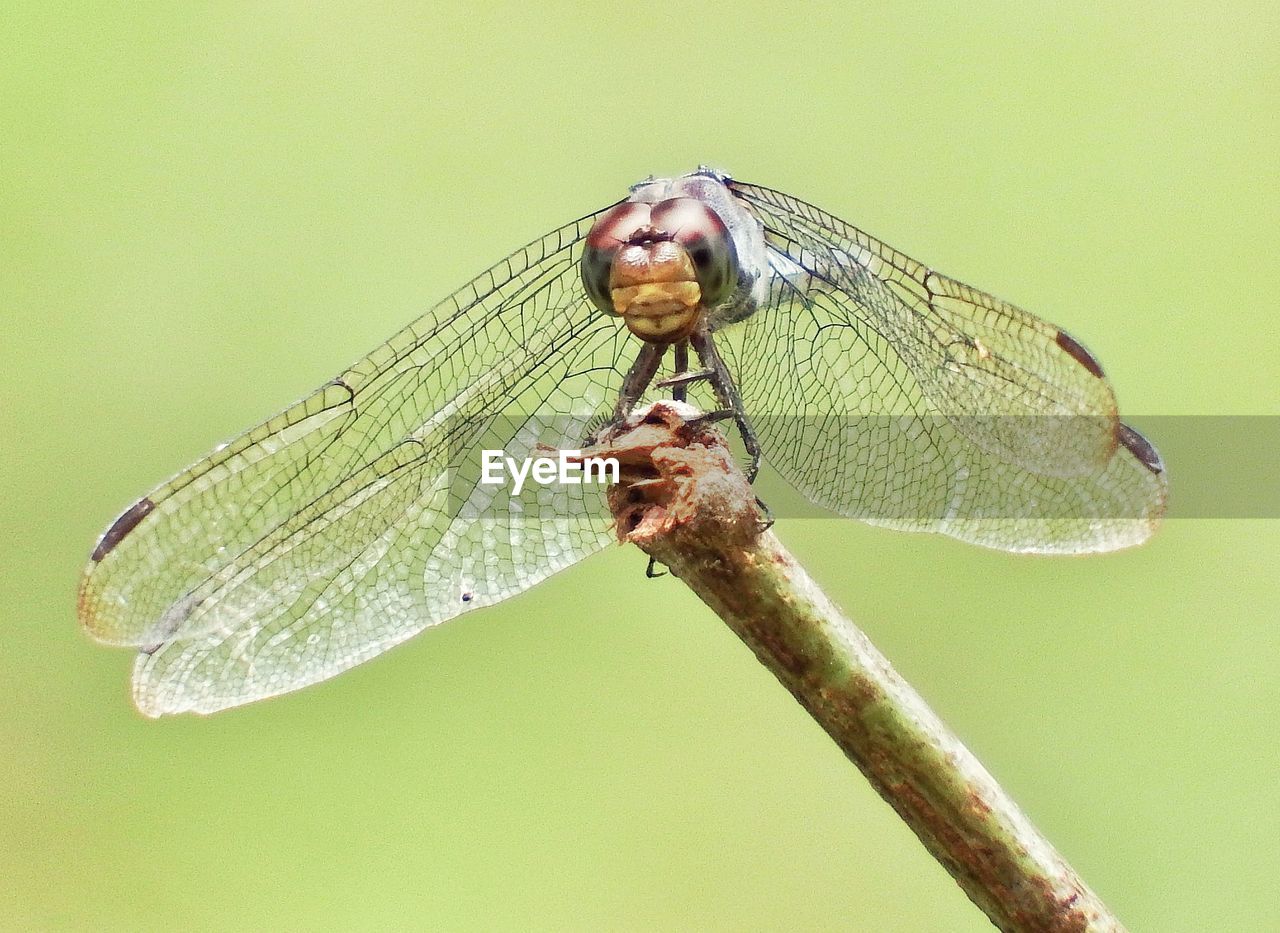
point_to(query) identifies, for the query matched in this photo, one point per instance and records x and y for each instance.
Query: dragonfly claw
(720, 414)
(680, 379)
(766, 515)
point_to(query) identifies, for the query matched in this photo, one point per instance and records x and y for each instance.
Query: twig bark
(684, 501)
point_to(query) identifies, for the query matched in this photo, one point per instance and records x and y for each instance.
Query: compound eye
(611, 231)
(702, 233)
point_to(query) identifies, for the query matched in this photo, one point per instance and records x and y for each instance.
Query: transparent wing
(890, 393)
(355, 518)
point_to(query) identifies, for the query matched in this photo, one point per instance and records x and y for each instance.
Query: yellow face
(655, 289)
(659, 266)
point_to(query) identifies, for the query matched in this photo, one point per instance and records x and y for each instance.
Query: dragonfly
(878, 387)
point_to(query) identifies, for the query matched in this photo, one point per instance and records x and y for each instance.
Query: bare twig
(684, 501)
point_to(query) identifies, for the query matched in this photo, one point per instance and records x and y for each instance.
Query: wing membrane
(355, 518)
(973, 355)
(890, 393)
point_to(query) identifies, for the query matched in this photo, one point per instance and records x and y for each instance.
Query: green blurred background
(209, 208)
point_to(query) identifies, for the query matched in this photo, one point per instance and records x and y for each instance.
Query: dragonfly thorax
(659, 267)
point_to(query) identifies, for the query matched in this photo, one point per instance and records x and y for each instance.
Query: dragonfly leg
(680, 391)
(683, 379)
(720, 414)
(638, 378)
(680, 379)
(727, 395)
(651, 573)
(766, 514)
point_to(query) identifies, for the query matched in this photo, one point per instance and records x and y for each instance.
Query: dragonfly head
(659, 266)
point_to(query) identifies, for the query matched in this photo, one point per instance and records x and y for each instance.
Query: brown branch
(684, 501)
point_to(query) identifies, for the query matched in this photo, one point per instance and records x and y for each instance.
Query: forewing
(354, 519)
(892, 394)
(971, 354)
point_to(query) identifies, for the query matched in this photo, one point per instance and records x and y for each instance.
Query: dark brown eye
(611, 231)
(702, 233)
